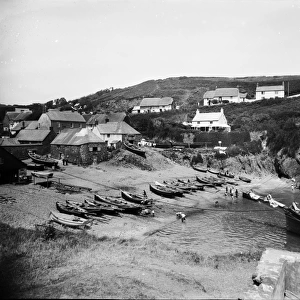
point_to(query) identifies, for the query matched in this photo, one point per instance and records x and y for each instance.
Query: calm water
(237, 230)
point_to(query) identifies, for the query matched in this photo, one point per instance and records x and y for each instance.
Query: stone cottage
(80, 145)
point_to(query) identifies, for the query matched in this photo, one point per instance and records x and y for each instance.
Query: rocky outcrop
(287, 167)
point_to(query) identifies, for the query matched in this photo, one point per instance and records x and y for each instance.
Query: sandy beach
(28, 205)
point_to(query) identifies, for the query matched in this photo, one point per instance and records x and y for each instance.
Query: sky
(73, 48)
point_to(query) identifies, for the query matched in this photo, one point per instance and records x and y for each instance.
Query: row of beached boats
(81, 214)
(220, 173)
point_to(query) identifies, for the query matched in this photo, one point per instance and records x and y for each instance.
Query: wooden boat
(200, 169)
(39, 159)
(177, 186)
(45, 175)
(205, 181)
(135, 198)
(194, 184)
(134, 149)
(164, 191)
(36, 167)
(178, 190)
(292, 218)
(245, 179)
(89, 208)
(71, 210)
(126, 207)
(252, 196)
(69, 220)
(226, 174)
(105, 208)
(213, 171)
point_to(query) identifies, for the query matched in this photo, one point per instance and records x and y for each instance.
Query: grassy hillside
(186, 91)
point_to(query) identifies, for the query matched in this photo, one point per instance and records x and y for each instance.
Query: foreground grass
(73, 264)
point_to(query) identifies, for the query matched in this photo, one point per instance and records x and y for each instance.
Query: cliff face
(260, 164)
(286, 166)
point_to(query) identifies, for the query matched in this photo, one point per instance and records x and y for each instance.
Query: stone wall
(81, 155)
(277, 274)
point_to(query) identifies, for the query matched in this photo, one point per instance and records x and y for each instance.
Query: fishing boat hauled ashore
(39, 159)
(134, 149)
(292, 216)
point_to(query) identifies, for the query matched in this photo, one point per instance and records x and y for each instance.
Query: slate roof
(116, 128)
(101, 118)
(33, 125)
(22, 116)
(209, 95)
(19, 126)
(156, 101)
(76, 137)
(270, 88)
(56, 115)
(226, 92)
(12, 115)
(214, 116)
(9, 142)
(87, 116)
(9, 161)
(30, 135)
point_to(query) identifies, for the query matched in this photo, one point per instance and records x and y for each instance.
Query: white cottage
(154, 105)
(267, 92)
(210, 121)
(223, 95)
(112, 132)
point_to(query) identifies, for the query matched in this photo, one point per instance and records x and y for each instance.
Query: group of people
(181, 215)
(231, 192)
(65, 160)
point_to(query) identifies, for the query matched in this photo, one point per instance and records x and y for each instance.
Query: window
(58, 124)
(276, 92)
(210, 122)
(93, 149)
(72, 125)
(262, 93)
(108, 135)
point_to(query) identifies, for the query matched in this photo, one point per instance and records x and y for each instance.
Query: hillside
(186, 91)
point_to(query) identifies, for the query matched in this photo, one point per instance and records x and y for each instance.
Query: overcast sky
(69, 48)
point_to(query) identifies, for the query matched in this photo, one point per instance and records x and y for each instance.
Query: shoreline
(129, 259)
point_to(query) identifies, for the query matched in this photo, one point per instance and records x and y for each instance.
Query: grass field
(73, 264)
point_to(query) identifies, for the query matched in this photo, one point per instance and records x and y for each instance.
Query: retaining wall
(277, 276)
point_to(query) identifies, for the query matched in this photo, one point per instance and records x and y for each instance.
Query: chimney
(23, 125)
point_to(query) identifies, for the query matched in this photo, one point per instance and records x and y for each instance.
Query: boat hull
(245, 179)
(292, 222)
(135, 150)
(44, 161)
(162, 192)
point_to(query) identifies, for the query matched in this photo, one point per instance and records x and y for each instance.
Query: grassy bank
(74, 264)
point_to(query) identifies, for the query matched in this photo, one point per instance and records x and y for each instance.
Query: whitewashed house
(112, 132)
(223, 95)
(210, 121)
(267, 92)
(154, 105)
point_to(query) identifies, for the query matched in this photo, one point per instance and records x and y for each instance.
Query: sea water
(243, 226)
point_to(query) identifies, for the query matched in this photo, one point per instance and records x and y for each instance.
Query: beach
(130, 252)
